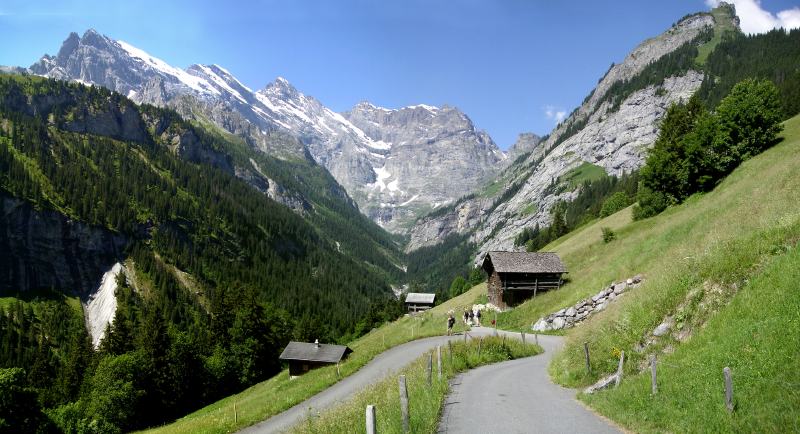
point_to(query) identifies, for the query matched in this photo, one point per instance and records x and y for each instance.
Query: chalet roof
(313, 353)
(525, 262)
(419, 297)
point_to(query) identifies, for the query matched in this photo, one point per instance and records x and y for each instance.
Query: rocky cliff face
(47, 250)
(427, 156)
(615, 140)
(396, 164)
(526, 142)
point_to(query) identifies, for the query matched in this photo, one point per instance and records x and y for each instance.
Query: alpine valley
(165, 232)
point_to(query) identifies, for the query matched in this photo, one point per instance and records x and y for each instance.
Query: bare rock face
(526, 142)
(428, 156)
(615, 139)
(47, 250)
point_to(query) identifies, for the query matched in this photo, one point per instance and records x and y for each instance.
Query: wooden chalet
(304, 356)
(514, 277)
(418, 301)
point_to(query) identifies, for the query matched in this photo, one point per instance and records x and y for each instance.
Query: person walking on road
(450, 323)
(478, 317)
(466, 316)
(471, 317)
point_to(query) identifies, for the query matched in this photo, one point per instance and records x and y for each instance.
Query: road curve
(383, 364)
(517, 397)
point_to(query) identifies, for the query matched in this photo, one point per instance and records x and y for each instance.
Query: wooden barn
(417, 301)
(517, 276)
(304, 356)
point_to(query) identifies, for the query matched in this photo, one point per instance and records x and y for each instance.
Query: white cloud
(755, 19)
(554, 114)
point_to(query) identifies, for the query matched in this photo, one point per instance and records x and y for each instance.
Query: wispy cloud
(755, 19)
(554, 114)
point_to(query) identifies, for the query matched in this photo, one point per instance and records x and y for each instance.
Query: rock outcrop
(614, 138)
(574, 315)
(47, 250)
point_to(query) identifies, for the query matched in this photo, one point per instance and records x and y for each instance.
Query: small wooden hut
(514, 277)
(304, 356)
(418, 301)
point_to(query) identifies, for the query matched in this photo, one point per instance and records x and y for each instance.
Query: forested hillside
(223, 276)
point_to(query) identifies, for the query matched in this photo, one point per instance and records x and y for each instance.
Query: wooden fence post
(465, 336)
(586, 352)
(439, 361)
(726, 371)
(450, 351)
(619, 368)
(430, 367)
(404, 402)
(235, 414)
(371, 419)
(495, 323)
(338, 373)
(523, 337)
(480, 343)
(654, 385)
(536, 338)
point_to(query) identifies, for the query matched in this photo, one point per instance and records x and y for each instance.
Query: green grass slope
(737, 243)
(279, 393)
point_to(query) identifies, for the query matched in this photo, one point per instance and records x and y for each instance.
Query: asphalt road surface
(517, 397)
(389, 361)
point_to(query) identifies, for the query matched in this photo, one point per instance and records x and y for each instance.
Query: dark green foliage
(588, 205)
(649, 203)
(773, 55)
(435, 267)
(19, 410)
(616, 202)
(696, 149)
(260, 272)
(608, 235)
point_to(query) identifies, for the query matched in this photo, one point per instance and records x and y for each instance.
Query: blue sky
(512, 66)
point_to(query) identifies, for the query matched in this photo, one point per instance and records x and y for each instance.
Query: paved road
(517, 397)
(385, 363)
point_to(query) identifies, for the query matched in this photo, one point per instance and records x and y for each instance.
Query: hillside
(721, 269)
(206, 277)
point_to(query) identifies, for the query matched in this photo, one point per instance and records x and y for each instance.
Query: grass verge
(425, 402)
(708, 265)
(277, 394)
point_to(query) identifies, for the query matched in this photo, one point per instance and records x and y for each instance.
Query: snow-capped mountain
(396, 164)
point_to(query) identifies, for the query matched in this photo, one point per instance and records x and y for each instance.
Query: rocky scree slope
(436, 154)
(614, 137)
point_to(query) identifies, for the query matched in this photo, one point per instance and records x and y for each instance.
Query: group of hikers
(471, 318)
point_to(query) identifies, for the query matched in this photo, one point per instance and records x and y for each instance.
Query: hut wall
(495, 290)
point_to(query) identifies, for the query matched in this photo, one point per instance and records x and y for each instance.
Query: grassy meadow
(277, 394)
(720, 266)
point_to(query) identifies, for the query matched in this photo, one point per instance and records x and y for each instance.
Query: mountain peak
(281, 88)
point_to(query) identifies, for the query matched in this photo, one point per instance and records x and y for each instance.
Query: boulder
(560, 312)
(619, 287)
(599, 307)
(612, 296)
(571, 312)
(540, 325)
(629, 282)
(603, 383)
(662, 329)
(637, 278)
(558, 323)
